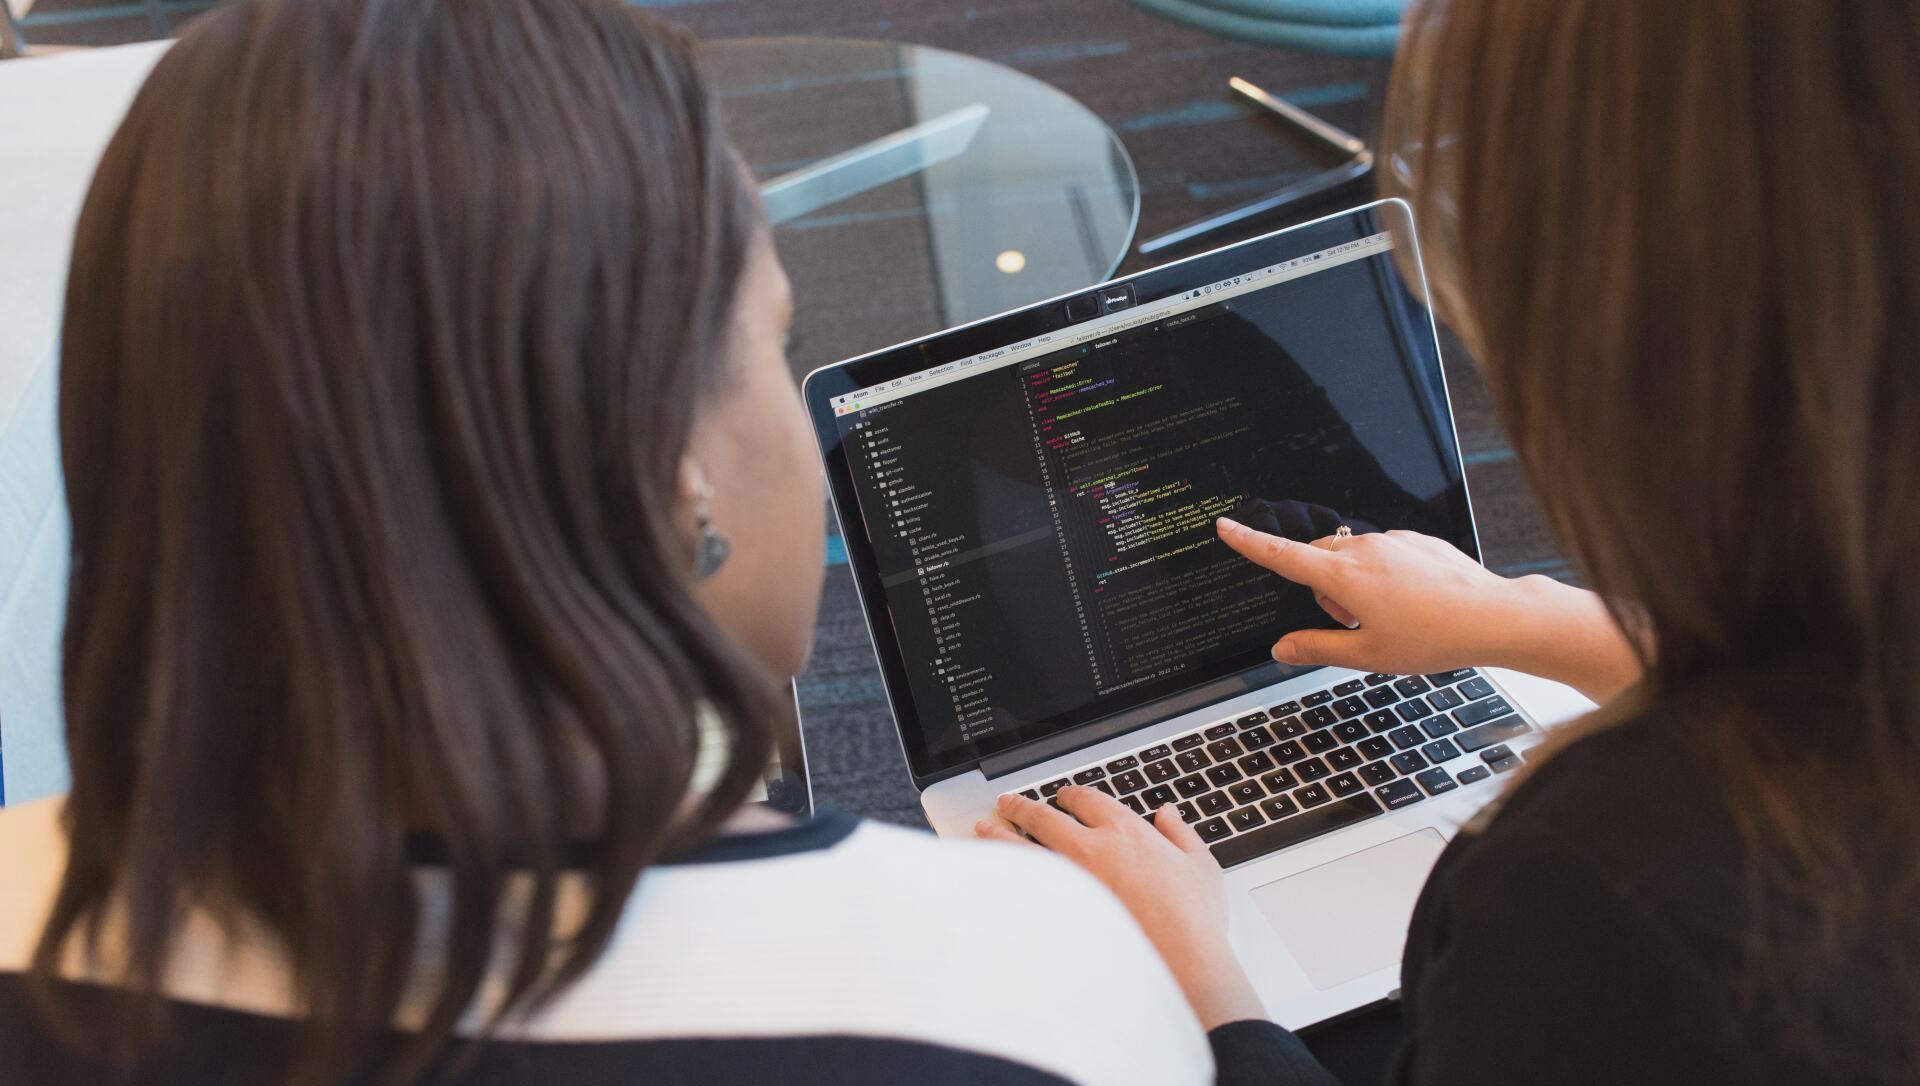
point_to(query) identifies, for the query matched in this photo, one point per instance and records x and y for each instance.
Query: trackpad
(1348, 917)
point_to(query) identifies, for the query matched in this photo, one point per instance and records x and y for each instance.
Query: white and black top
(833, 951)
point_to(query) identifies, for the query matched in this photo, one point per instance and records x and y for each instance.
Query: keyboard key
(1376, 774)
(1506, 765)
(1319, 717)
(1289, 751)
(1088, 776)
(1247, 818)
(1275, 836)
(1225, 750)
(1411, 711)
(1278, 807)
(1445, 699)
(1344, 785)
(1448, 678)
(1318, 697)
(1481, 711)
(1223, 775)
(1435, 781)
(1192, 785)
(1051, 787)
(1290, 727)
(1188, 813)
(1130, 781)
(1408, 762)
(1497, 731)
(1192, 761)
(1214, 803)
(1054, 802)
(1351, 686)
(1438, 726)
(1475, 773)
(1350, 707)
(1320, 742)
(1408, 737)
(1157, 797)
(1188, 742)
(1104, 787)
(1381, 696)
(1285, 708)
(1349, 731)
(1138, 807)
(1251, 792)
(1219, 731)
(1121, 765)
(1475, 688)
(1255, 738)
(1378, 746)
(1256, 763)
(1032, 795)
(1154, 754)
(1381, 722)
(1376, 679)
(1258, 716)
(1162, 772)
(1345, 758)
(1313, 795)
(1311, 770)
(1412, 686)
(1440, 750)
(1213, 829)
(1399, 794)
(1495, 753)
(1279, 780)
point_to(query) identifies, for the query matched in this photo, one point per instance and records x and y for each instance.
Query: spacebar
(1291, 831)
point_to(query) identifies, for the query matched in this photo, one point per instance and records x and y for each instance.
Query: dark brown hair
(1682, 241)
(385, 322)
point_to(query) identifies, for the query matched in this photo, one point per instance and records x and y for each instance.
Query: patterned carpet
(1162, 87)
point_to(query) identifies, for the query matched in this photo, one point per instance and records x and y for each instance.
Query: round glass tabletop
(913, 188)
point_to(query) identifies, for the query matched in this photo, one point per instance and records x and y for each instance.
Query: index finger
(1042, 822)
(1309, 565)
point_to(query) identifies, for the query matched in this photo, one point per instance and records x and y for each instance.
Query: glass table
(914, 188)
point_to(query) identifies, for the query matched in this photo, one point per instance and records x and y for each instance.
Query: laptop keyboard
(1275, 777)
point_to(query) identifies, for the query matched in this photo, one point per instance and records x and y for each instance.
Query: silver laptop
(1028, 502)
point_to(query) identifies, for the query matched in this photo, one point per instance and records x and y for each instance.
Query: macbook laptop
(1028, 507)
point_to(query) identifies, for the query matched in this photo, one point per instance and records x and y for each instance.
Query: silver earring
(714, 547)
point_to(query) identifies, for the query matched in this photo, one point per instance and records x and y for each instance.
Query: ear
(691, 480)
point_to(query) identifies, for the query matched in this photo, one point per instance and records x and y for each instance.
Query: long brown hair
(384, 325)
(1681, 239)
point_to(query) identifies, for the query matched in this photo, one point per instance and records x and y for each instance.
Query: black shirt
(1592, 929)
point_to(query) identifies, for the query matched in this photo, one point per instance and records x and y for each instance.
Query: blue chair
(1359, 28)
(1344, 27)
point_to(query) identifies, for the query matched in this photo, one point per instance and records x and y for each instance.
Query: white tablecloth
(56, 115)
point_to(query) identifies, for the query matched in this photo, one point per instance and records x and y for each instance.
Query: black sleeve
(1261, 1053)
(1536, 970)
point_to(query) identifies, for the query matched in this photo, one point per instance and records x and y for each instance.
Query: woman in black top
(1681, 240)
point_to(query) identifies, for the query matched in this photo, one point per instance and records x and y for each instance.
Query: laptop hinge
(1099, 731)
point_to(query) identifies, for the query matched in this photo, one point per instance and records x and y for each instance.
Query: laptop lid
(1027, 502)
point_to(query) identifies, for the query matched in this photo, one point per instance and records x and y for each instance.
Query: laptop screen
(1038, 517)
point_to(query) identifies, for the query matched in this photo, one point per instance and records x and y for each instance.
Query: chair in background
(1344, 27)
(16, 19)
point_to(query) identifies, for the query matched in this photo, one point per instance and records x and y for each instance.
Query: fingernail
(982, 828)
(1287, 652)
(1006, 802)
(1228, 524)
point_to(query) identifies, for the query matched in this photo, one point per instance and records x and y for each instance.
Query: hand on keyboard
(1164, 875)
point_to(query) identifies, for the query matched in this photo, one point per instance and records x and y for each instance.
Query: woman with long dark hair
(441, 500)
(1680, 237)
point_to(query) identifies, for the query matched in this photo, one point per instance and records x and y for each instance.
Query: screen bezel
(1150, 286)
